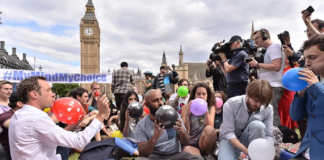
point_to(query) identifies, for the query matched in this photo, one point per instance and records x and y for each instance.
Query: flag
(34, 58)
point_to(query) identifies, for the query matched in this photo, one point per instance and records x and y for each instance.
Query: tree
(63, 88)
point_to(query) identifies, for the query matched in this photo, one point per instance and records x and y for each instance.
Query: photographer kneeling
(237, 72)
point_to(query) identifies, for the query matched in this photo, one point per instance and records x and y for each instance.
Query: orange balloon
(68, 110)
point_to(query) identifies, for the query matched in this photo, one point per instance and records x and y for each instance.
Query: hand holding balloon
(127, 115)
(102, 105)
(178, 127)
(157, 131)
(309, 76)
(187, 108)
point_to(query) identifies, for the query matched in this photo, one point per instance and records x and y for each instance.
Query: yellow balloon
(47, 109)
(117, 134)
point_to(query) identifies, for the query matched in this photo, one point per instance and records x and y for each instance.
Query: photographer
(219, 80)
(237, 72)
(271, 69)
(316, 24)
(164, 79)
(311, 27)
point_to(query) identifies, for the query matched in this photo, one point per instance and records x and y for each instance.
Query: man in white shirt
(271, 69)
(34, 135)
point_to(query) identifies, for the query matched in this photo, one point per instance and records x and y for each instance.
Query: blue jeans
(126, 145)
(253, 130)
(236, 89)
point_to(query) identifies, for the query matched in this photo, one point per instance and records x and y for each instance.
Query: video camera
(219, 49)
(251, 49)
(281, 37)
(248, 46)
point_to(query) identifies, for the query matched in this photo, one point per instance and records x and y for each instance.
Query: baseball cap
(14, 97)
(234, 38)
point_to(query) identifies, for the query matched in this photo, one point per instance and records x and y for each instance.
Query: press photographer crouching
(271, 69)
(237, 72)
(219, 80)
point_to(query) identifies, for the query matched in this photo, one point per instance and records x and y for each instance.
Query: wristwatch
(224, 60)
(257, 65)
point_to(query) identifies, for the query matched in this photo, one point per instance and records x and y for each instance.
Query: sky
(138, 32)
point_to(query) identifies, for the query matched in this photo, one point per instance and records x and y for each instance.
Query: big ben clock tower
(90, 43)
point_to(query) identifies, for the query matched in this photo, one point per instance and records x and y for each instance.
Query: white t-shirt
(173, 96)
(181, 103)
(273, 52)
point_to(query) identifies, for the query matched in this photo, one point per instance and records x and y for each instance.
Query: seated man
(309, 101)
(155, 142)
(14, 104)
(246, 118)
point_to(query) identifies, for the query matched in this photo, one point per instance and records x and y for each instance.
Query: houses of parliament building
(90, 57)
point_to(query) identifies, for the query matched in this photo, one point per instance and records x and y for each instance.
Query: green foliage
(62, 88)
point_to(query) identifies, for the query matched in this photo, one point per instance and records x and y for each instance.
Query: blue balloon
(290, 80)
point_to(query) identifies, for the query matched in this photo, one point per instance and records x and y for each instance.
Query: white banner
(55, 77)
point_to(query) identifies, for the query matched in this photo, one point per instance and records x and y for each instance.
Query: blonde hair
(94, 83)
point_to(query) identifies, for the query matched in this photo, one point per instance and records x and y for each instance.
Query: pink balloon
(219, 102)
(198, 107)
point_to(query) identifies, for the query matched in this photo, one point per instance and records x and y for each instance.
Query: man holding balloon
(246, 118)
(309, 101)
(158, 141)
(34, 135)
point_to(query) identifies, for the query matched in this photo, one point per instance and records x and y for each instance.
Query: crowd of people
(253, 107)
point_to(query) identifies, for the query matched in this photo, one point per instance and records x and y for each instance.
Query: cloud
(139, 31)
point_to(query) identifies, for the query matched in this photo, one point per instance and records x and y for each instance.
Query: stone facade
(194, 72)
(12, 61)
(90, 43)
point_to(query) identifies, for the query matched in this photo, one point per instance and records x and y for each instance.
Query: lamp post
(40, 68)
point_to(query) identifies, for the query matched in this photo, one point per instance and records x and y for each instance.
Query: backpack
(101, 150)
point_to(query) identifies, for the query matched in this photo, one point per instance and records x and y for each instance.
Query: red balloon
(146, 110)
(68, 110)
(97, 94)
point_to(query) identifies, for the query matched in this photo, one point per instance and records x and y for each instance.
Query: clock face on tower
(88, 31)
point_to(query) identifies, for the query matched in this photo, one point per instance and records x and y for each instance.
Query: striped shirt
(121, 81)
(161, 83)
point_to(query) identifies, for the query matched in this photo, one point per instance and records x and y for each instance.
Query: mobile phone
(310, 9)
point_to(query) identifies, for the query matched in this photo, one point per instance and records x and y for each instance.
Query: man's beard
(249, 106)
(152, 110)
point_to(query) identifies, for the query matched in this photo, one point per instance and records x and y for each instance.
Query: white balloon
(261, 149)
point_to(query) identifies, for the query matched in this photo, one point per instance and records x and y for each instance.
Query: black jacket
(219, 79)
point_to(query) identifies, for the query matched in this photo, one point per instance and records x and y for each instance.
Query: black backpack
(101, 150)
